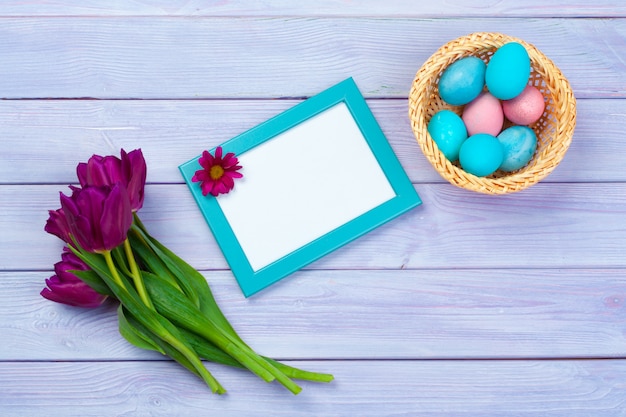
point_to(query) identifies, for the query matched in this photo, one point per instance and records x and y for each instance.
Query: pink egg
(526, 108)
(483, 115)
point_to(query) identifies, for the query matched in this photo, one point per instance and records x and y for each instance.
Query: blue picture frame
(402, 198)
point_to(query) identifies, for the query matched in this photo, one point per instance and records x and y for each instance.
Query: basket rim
(422, 90)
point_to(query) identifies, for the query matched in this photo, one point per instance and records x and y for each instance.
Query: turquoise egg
(481, 154)
(462, 81)
(448, 131)
(520, 144)
(508, 71)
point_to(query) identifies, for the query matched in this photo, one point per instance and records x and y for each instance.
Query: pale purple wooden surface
(468, 305)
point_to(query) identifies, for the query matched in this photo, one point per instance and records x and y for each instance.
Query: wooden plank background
(167, 57)
(393, 8)
(469, 305)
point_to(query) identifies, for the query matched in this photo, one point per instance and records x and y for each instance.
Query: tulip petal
(78, 226)
(75, 294)
(135, 170)
(90, 203)
(116, 217)
(81, 173)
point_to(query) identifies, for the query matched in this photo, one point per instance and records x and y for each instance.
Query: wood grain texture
(63, 132)
(391, 8)
(426, 314)
(546, 226)
(376, 389)
(273, 58)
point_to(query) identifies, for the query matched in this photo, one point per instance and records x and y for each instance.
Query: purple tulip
(130, 170)
(98, 217)
(57, 225)
(67, 288)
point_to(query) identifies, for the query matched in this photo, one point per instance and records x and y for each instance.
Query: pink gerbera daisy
(218, 172)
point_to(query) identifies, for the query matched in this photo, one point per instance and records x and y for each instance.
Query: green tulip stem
(141, 289)
(116, 276)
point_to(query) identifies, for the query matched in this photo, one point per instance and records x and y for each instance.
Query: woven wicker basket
(554, 129)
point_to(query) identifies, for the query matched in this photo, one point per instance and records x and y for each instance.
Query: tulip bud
(67, 288)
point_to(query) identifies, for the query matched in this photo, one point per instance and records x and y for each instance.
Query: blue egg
(462, 81)
(481, 154)
(520, 144)
(448, 131)
(508, 71)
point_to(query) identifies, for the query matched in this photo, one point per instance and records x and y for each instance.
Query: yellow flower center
(216, 172)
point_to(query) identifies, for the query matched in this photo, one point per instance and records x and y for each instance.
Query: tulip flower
(67, 288)
(57, 225)
(130, 170)
(98, 217)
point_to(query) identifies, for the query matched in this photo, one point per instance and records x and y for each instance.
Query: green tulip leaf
(133, 335)
(94, 281)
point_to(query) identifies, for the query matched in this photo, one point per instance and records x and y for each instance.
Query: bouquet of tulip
(164, 304)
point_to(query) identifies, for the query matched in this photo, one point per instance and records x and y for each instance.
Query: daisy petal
(228, 182)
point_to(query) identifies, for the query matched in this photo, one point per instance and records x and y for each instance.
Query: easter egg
(448, 131)
(519, 144)
(508, 71)
(526, 108)
(481, 154)
(483, 115)
(462, 81)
